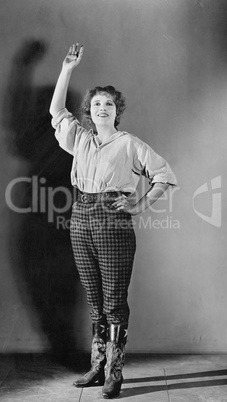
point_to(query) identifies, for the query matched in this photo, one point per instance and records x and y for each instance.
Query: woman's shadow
(166, 383)
(39, 246)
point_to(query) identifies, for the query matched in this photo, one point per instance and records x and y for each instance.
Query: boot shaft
(115, 350)
(117, 333)
(98, 347)
(99, 330)
(115, 355)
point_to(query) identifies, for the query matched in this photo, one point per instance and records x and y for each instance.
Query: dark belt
(87, 198)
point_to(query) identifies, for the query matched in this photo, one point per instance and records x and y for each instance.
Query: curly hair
(118, 99)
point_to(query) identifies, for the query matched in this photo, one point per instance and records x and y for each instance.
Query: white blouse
(115, 165)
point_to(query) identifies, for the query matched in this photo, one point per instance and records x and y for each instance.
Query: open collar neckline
(112, 137)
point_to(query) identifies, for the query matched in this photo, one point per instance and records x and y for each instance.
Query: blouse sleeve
(151, 165)
(68, 130)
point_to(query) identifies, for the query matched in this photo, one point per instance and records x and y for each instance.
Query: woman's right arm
(72, 60)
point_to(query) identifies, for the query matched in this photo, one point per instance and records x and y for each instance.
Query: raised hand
(73, 57)
(72, 60)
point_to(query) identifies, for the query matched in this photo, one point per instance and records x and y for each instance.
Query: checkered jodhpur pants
(104, 244)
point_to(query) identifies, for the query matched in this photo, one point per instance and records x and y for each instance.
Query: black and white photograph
(113, 233)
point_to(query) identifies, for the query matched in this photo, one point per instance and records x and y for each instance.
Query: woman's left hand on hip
(122, 204)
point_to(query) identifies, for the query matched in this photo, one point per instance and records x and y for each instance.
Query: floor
(163, 378)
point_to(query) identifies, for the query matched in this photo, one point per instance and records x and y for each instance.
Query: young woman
(107, 165)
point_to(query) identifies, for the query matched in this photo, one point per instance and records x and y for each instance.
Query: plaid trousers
(104, 244)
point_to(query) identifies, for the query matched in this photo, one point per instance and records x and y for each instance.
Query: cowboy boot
(98, 357)
(115, 355)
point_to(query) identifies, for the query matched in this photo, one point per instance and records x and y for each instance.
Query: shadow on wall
(40, 251)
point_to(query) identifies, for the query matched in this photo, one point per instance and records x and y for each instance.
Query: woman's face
(103, 110)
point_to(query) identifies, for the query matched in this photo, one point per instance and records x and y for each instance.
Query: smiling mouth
(103, 115)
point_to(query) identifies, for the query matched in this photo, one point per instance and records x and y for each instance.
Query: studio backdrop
(169, 58)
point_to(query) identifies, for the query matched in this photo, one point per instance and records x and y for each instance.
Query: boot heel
(112, 388)
(101, 380)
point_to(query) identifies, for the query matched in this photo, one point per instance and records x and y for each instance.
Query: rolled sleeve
(57, 119)
(164, 174)
(153, 166)
(68, 130)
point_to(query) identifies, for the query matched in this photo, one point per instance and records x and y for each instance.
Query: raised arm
(71, 61)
